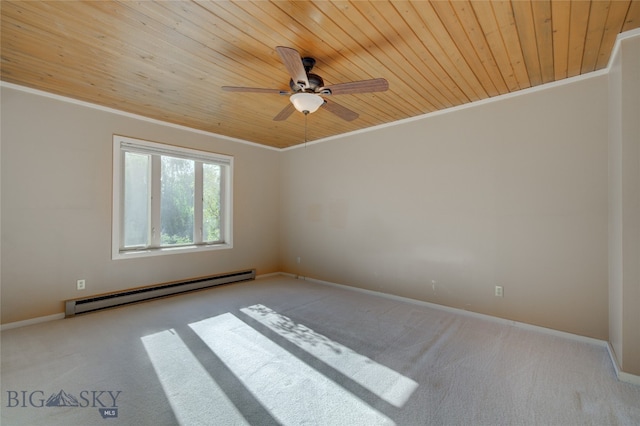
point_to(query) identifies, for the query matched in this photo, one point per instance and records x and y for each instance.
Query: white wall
(510, 193)
(624, 203)
(56, 205)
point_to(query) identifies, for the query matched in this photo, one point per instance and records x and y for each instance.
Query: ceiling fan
(306, 88)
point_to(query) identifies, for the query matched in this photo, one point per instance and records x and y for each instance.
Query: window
(168, 199)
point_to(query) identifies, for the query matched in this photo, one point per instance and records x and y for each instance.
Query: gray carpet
(291, 352)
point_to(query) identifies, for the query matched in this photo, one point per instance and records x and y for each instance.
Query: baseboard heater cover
(110, 300)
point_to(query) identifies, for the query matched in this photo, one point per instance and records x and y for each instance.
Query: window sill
(134, 254)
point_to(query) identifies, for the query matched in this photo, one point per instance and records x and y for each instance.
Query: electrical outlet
(499, 292)
(81, 284)
(298, 259)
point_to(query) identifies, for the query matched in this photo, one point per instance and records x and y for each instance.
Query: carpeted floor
(292, 352)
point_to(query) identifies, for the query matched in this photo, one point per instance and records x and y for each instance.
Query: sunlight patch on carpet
(292, 391)
(386, 383)
(193, 394)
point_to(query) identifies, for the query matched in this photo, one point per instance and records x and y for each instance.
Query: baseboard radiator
(95, 303)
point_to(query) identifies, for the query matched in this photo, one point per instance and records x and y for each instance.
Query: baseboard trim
(468, 313)
(621, 375)
(32, 321)
(272, 274)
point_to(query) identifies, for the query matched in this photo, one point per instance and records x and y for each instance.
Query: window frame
(122, 144)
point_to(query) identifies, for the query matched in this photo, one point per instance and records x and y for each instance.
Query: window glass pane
(211, 203)
(176, 201)
(136, 199)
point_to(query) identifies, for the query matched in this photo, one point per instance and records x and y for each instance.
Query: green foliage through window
(176, 198)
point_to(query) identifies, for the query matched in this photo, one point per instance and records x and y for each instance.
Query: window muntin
(169, 199)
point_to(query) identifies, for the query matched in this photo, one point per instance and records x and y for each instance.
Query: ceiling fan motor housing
(315, 83)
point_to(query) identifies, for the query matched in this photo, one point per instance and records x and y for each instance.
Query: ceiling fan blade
(363, 86)
(293, 62)
(285, 113)
(254, 90)
(341, 111)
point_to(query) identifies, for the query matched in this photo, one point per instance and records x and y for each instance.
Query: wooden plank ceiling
(167, 60)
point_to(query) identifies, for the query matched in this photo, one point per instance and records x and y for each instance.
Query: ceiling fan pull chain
(306, 114)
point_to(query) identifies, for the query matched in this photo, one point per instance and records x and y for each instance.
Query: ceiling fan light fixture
(306, 102)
